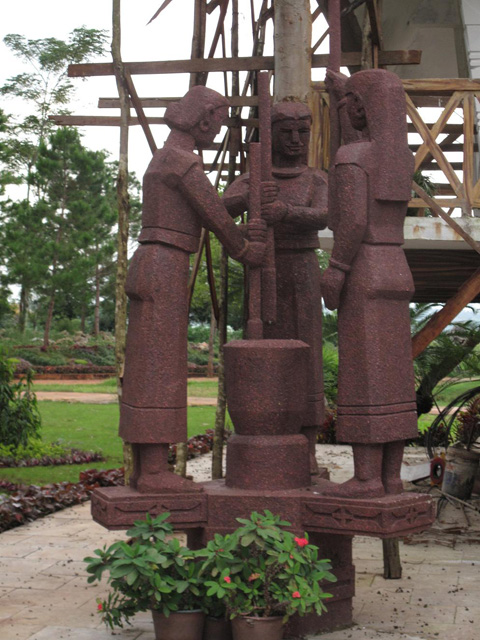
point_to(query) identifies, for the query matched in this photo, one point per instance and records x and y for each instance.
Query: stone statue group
(363, 199)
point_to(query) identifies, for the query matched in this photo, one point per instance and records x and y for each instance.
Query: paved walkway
(107, 398)
(44, 594)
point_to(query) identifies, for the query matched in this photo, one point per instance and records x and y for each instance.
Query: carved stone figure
(369, 281)
(178, 201)
(295, 203)
(266, 380)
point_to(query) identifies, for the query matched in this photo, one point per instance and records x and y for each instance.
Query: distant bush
(44, 358)
(19, 417)
(199, 333)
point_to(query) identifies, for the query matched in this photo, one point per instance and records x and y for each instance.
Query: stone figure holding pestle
(178, 200)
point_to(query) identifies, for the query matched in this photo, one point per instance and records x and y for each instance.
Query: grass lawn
(201, 388)
(88, 427)
(450, 393)
(424, 422)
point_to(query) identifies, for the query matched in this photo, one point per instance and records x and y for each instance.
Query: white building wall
(471, 20)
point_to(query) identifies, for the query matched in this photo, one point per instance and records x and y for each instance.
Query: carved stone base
(330, 522)
(386, 517)
(217, 508)
(119, 507)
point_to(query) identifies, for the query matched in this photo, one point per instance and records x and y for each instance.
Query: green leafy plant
(152, 571)
(467, 427)
(19, 417)
(264, 570)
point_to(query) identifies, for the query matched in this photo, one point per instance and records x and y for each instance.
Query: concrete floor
(44, 594)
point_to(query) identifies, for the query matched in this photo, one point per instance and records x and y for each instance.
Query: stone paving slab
(44, 594)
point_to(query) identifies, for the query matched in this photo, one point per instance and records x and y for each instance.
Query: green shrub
(19, 417)
(330, 372)
(199, 333)
(32, 449)
(101, 354)
(197, 357)
(42, 358)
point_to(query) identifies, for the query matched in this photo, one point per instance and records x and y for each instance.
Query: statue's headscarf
(383, 97)
(193, 107)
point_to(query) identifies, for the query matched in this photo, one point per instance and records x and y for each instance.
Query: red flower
(100, 606)
(302, 542)
(227, 579)
(296, 594)
(253, 577)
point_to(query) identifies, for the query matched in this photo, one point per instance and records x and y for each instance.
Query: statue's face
(290, 137)
(207, 129)
(356, 111)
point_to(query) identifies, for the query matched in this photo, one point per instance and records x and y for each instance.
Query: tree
(45, 88)
(61, 244)
(452, 354)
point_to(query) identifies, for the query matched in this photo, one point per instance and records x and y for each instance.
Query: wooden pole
(437, 323)
(269, 275)
(123, 206)
(220, 413)
(335, 56)
(254, 324)
(392, 566)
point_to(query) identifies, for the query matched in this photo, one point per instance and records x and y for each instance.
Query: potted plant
(152, 571)
(217, 622)
(264, 574)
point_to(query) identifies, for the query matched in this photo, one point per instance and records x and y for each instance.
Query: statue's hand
(255, 247)
(274, 212)
(257, 231)
(335, 84)
(332, 285)
(269, 192)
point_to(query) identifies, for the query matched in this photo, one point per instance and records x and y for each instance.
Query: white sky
(166, 38)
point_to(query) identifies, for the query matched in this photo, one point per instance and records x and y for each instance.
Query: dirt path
(106, 398)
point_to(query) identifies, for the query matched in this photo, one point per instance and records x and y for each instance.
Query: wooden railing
(459, 185)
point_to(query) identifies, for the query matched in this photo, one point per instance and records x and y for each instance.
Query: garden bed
(20, 504)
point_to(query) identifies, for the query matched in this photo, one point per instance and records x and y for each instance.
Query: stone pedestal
(268, 468)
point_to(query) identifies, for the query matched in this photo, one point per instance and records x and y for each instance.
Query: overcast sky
(169, 37)
(165, 38)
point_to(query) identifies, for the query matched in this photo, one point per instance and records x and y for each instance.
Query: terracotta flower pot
(246, 628)
(183, 625)
(217, 629)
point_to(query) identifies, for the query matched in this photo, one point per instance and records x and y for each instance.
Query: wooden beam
(433, 148)
(246, 101)
(97, 121)
(114, 121)
(159, 103)
(440, 202)
(432, 204)
(433, 166)
(469, 148)
(440, 87)
(437, 323)
(375, 23)
(453, 103)
(443, 146)
(140, 113)
(210, 65)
